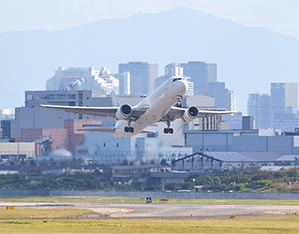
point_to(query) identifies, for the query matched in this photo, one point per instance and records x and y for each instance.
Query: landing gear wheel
(129, 129)
(168, 130)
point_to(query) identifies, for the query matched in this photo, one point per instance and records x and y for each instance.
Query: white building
(6, 113)
(84, 79)
(106, 149)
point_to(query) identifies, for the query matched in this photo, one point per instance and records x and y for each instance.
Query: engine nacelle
(190, 114)
(123, 112)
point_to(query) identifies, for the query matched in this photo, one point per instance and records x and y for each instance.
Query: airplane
(159, 106)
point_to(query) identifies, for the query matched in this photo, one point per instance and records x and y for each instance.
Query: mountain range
(248, 59)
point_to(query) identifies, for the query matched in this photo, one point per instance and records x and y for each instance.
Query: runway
(141, 210)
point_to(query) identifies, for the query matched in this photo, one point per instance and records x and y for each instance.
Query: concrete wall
(239, 142)
(209, 141)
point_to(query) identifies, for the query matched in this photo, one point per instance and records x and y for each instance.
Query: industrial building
(17, 151)
(204, 162)
(241, 141)
(68, 137)
(106, 149)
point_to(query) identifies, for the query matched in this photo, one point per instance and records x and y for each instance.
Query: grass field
(155, 200)
(43, 213)
(282, 224)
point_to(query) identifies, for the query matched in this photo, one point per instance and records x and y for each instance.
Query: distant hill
(248, 58)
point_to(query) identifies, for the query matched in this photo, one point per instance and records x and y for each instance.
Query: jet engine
(123, 112)
(190, 113)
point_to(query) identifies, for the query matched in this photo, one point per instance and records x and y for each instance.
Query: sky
(277, 15)
(25, 15)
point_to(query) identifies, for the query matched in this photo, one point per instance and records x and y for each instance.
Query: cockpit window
(175, 79)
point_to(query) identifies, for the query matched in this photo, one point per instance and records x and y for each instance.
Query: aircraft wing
(178, 112)
(95, 111)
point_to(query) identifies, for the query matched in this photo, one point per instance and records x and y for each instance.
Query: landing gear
(129, 129)
(168, 130)
(179, 103)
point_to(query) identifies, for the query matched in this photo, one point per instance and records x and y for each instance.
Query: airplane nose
(183, 86)
(186, 84)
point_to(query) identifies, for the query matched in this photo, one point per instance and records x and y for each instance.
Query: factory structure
(209, 143)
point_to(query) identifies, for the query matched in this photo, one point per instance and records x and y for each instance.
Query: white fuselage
(158, 103)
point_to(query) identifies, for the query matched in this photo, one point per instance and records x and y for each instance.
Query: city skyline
(118, 76)
(241, 53)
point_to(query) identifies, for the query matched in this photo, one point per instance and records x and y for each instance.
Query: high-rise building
(6, 131)
(259, 106)
(278, 111)
(224, 98)
(201, 74)
(174, 69)
(212, 72)
(124, 83)
(253, 108)
(285, 106)
(142, 76)
(247, 123)
(284, 97)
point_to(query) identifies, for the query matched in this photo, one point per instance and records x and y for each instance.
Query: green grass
(155, 200)
(43, 213)
(282, 224)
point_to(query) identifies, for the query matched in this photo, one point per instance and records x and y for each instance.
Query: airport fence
(143, 194)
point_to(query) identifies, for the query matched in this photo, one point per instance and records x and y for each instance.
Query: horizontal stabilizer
(112, 130)
(97, 129)
(147, 131)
